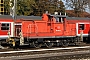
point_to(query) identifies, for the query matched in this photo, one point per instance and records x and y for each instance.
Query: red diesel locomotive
(48, 31)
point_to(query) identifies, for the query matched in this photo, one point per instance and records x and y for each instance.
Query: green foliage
(49, 5)
(24, 7)
(79, 6)
(36, 7)
(7, 6)
(61, 8)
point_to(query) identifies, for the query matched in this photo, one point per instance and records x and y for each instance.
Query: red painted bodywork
(5, 32)
(47, 27)
(86, 28)
(51, 28)
(43, 29)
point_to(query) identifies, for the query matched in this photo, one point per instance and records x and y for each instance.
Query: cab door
(17, 30)
(82, 28)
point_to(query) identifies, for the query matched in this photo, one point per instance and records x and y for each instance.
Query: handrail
(29, 29)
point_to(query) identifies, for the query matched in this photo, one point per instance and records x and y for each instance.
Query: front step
(24, 44)
(1, 47)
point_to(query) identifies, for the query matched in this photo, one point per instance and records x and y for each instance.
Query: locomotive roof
(21, 17)
(6, 17)
(40, 18)
(77, 18)
(72, 18)
(58, 15)
(30, 17)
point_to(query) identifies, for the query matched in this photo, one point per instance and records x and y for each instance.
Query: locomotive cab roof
(54, 18)
(63, 16)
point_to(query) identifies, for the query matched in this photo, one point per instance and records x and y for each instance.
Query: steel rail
(23, 51)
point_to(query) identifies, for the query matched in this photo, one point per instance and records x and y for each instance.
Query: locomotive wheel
(49, 44)
(77, 41)
(36, 44)
(65, 43)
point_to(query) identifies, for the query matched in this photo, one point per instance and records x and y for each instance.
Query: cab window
(81, 26)
(59, 19)
(5, 26)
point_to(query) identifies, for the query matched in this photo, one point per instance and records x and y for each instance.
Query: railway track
(42, 52)
(38, 50)
(36, 53)
(11, 51)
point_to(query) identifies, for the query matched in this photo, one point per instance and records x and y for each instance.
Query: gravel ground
(69, 57)
(81, 55)
(55, 57)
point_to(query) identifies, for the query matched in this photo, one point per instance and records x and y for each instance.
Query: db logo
(58, 27)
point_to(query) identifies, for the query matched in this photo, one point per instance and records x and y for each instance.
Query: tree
(61, 7)
(77, 5)
(49, 5)
(7, 7)
(25, 7)
(36, 7)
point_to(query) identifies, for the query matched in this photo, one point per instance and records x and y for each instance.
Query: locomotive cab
(54, 18)
(57, 24)
(58, 18)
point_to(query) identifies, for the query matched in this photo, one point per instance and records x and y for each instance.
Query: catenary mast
(14, 15)
(13, 12)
